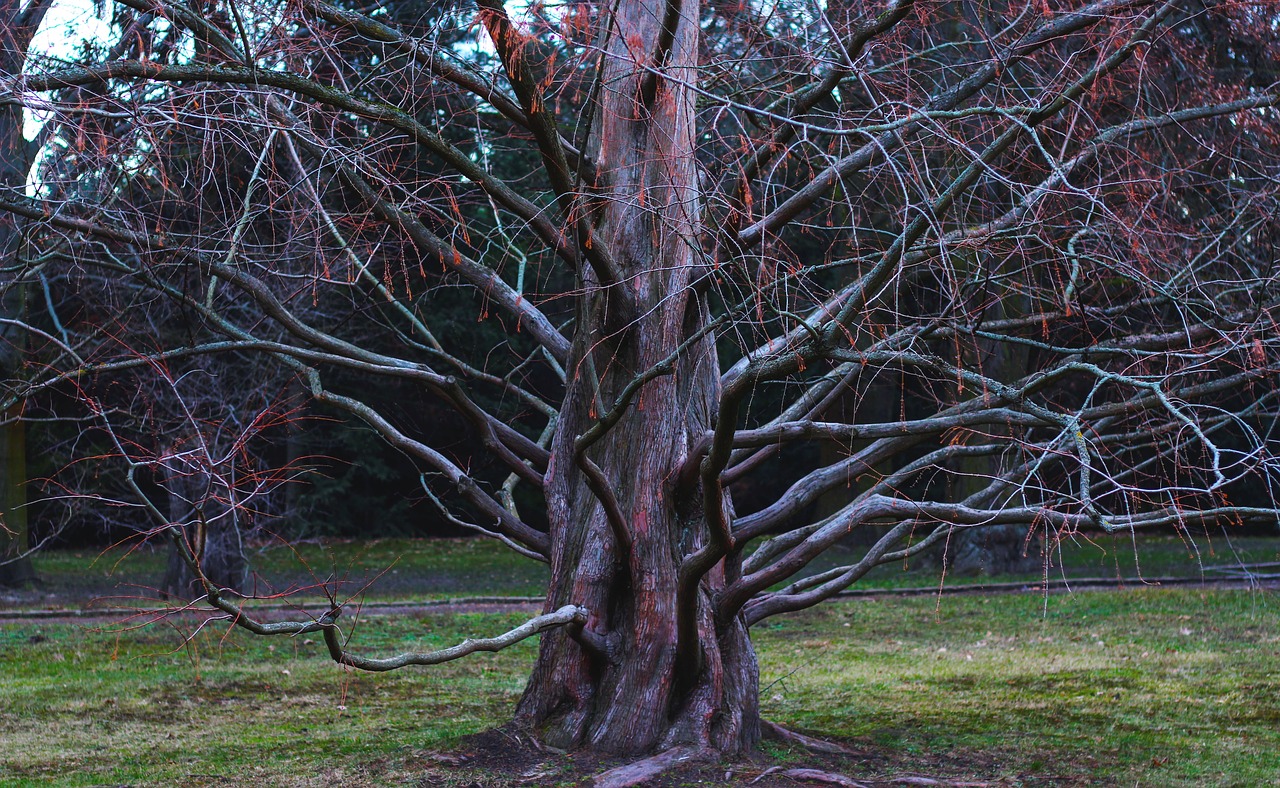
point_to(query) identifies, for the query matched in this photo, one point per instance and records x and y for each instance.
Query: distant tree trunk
(635, 692)
(876, 403)
(212, 533)
(996, 550)
(1002, 549)
(15, 567)
(291, 519)
(222, 560)
(15, 159)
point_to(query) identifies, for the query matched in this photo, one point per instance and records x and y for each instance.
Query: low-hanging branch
(327, 624)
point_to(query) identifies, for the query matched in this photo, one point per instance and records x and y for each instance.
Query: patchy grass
(1094, 556)
(1171, 687)
(85, 707)
(1146, 687)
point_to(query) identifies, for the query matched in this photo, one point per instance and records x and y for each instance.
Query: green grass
(1145, 687)
(380, 569)
(1091, 556)
(1151, 687)
(85, 707)
(394, 569)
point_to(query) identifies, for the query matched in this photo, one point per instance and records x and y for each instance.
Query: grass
(1147, 686)
(86, 707)
(1093, 556)
(395, 569)
(381, 569)
(1160, 687)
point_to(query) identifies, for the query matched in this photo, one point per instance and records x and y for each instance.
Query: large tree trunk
(620, 686)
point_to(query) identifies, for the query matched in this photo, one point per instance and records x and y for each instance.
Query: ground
(1142, 686)
(500, 757)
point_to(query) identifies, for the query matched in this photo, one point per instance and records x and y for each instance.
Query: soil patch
(506, 757)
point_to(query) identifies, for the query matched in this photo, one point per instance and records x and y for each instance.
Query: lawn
(379, 569)
(418, 569)
(1141, 685)
(1158, 687)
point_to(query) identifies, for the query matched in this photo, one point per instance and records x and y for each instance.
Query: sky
(67, 25)
(71, 22)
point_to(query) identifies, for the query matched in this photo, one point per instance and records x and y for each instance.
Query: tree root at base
(772, 730)
(811, 776)
(646, 769)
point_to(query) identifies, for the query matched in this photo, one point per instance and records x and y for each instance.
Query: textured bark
(996, 550)
(616, 686)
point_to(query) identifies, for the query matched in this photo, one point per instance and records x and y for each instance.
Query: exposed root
(644, 770)
(772, 730)
(822, 778)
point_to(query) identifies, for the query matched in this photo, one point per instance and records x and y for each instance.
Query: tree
(686, 230)
(18, 24)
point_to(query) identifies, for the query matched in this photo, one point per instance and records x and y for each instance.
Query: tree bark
(616, 685)
(222, 561)
(995, 550)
